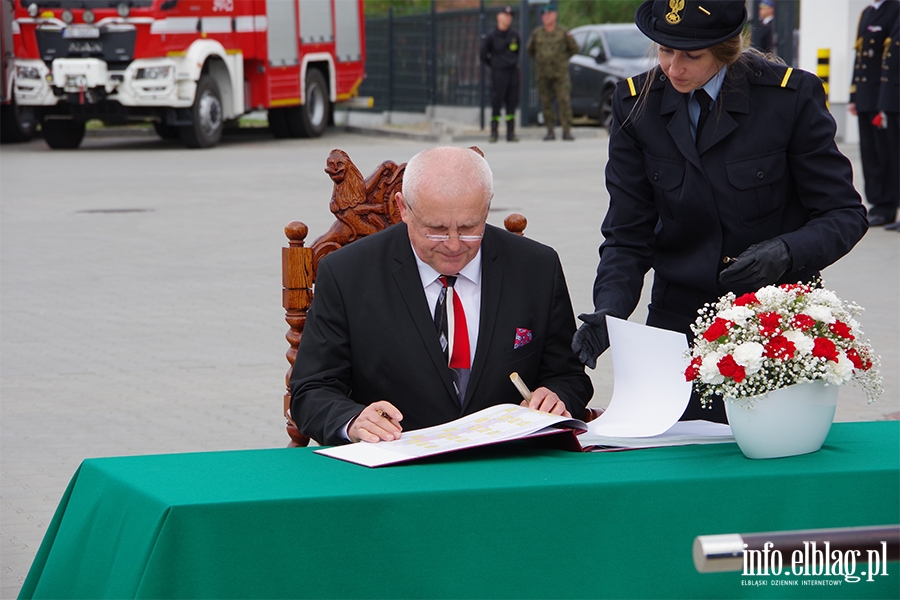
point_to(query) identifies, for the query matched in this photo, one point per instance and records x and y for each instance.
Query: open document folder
(649, 396)
(649, 393)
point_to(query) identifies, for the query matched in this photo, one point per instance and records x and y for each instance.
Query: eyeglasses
(434, 237)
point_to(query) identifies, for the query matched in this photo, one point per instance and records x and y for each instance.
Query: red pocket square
(523, 336)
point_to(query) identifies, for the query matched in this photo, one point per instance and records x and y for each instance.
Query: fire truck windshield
(75, 4)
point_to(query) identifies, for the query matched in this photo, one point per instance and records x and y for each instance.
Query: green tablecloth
(508, 521)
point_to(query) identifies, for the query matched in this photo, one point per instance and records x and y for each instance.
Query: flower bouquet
(749, 346)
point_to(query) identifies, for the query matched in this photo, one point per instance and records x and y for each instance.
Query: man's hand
(379, 421)
(547, 401)
(591, 340)
(759, 265)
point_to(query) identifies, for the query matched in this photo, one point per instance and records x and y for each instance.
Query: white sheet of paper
(649, 389)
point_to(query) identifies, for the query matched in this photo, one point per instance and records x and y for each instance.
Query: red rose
(825, 348)
(779, 347)
(788, 287)
(841, 329)
(857, 360)
(802, 322)
(769, 323)
(729, 368)
(693, 369)
(746, 299)
(718, 329)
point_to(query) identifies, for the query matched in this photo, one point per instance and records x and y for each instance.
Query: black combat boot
(495, 131)
(511, 131)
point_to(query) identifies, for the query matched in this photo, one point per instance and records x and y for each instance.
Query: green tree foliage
(573, 13)
(379, 8)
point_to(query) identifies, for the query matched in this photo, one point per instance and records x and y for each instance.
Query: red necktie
(458, 333)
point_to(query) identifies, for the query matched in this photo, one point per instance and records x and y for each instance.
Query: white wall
(832, 24)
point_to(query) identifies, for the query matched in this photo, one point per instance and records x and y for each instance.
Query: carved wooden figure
(362, 207)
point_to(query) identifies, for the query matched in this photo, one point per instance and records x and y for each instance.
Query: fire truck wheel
(315, 111)
(63, 134)
(17, 124)
(207, 112)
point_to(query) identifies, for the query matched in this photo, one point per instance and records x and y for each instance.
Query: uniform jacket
(874, 28)
(766, 165)
(551, 51)
(889, 88)
(500, 49)
(370, 336)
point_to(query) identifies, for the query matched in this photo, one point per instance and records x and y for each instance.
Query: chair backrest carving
(361, 207)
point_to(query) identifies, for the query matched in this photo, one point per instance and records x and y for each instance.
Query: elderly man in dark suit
(424, 322)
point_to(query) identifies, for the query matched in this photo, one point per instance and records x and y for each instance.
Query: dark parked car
(606, 54)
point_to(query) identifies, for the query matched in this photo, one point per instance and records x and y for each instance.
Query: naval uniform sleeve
(626, 253)
(824, 180)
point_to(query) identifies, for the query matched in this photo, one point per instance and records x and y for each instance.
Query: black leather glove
(759, 265)
(591, 340)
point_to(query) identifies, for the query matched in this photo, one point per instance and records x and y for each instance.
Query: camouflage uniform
(551, 51)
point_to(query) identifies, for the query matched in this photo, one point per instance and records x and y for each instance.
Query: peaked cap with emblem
(689, 24)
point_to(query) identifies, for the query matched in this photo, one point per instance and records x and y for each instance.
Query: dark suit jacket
(765, 166)
(370, 336)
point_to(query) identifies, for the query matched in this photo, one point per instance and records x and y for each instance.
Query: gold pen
(520, 385)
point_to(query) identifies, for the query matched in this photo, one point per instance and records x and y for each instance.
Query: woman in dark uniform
(759, 195)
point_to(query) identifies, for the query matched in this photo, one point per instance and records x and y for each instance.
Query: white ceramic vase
(785, 422)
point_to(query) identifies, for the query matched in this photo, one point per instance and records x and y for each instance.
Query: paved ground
(140, 299)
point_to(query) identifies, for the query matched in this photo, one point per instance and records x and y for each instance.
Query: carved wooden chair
(362, 207)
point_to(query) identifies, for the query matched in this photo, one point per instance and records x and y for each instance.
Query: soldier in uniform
(889, 107)
(715, 153)
(500, 52)
(551, 46)
(764, 34)
(875, 24)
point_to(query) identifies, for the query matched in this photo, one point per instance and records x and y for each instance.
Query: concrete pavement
(140, 302)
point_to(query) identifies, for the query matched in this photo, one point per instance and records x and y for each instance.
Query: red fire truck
(16, 123)
(187, 66)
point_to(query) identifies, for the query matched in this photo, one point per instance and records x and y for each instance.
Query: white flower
(840, 372)
(749, 356)
(737, 315)
(820, 313)
(709, 370)
(826, 297)
(771, 296)
(801, 341)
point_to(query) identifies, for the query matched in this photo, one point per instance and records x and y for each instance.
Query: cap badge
(672, 17)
